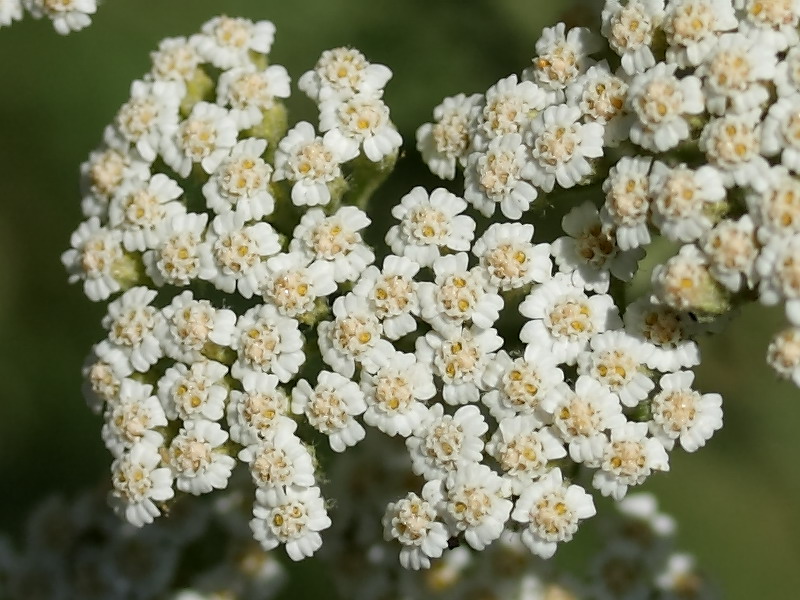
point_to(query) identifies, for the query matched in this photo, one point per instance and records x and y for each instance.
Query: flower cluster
(252, 327)
(66, 15)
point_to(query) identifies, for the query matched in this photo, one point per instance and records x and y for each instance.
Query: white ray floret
(414, 522)
(241, 182)
(564, 318)
(429, 224)
(683, 414)
(459, 357)
(138, 483)
(199, 459)
(131, 323)
(140, 206)
(561, 147)
(395, 395)
(447, 142)
(551, 508)
(494, 178)
(267, 342)
(331, 407)
(335, 239)
(292, 517)
(196, 391)
(190, 327)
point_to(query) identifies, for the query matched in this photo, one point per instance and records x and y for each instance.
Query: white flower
(253, 413)
(330, 408)
(228, 41)
(661, 103)
(140, 206)
(104, 370)
(519, 386)
(561, 146)
(10, 11)
(734, 73)
(354, 336)
(291, 516)
(772, 22)
(732, 144)
(494, 177)
(446, 142)
(775, 206)
(601, 95)
(692, 28)
(312, 164)
(94, 257)
(67, 15)
(679, 412)
(783, 354)
(392, 294)
(667, 330)
(198, 457)
(732, 250)
(475, 503)
(176, 260)
(190, 326)
(335, 239)
(280, 459)
(627, 201)
(205, 137)
(175, 59)
(684, 282)
(565, 318)
(103, 173)
(510, 259)
(458, 295)
(779, 268)
(133, 418)
(561, 57)
(394, 394)
(442, 443)
(781, 131)
(787, 73)
(581, 417)
(250, 92)
(138, 483)
(509, 108)
(241, 182)
(590, 252)
(685, 201)
(629, 29)
(628, 459)
(459, 357)
(413, 521)
(617, 361)
(150, 114)
(428, 223)
(194, 392)
(680, 577)
(362, 120)
(267, 342)
(551, 510)
(293, 285)
(341, 73)
(131, 323)
(523, 449)
(234, 255)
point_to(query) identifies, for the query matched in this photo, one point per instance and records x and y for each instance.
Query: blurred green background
(737, 501)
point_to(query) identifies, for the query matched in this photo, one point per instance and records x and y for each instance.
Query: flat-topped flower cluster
(251, 325)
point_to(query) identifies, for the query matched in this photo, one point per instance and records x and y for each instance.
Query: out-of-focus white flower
(67, 15)
(781, 131)
(629, 28)
(105, 369)
(685, 283)
(779, 268)
(773, 23)
(775, 206)
(692, 28)
(732, 144)
(783, 354)
(732, 249)
(175, 59)
(102, 175)
(10, 11)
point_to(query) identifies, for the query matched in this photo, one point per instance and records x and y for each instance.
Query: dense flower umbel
(469, 339)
